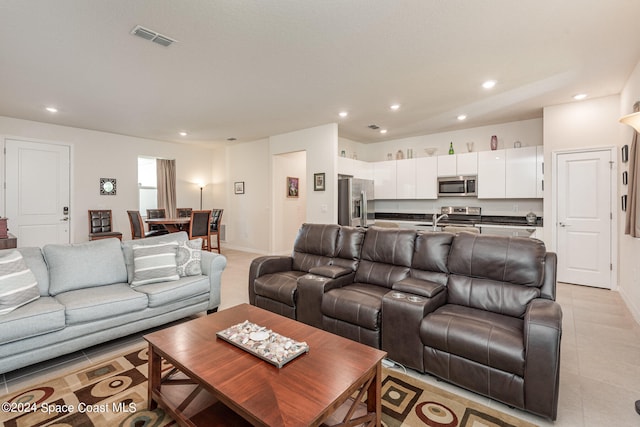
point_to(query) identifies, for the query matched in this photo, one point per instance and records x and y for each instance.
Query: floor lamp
(633, 120)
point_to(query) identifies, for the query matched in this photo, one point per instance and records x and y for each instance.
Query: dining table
(173, 225)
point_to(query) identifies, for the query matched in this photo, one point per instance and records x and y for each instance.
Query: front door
(37, 192)
(584, 215)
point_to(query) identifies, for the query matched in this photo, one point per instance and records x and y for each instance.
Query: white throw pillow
(188, 257)
(154, 263)
(18, 285)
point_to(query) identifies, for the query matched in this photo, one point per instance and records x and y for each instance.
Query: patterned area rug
(114, 393)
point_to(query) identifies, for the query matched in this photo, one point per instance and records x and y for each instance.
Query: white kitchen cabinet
(491, 174)
(520, 173)
(426, 178)
(447, 165)
(540, 171)
(406, 179)
(467, 164)
(354, 168)
(384, 180)
(458, 164)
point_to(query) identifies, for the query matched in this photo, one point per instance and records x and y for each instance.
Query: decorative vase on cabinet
(494, 142)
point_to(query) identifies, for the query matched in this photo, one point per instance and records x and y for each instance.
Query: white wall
(528, 132)
(289, 213)
(584, 124)
(629, 273)
(100, 154)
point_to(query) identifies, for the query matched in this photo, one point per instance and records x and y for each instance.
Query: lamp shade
(632, 120)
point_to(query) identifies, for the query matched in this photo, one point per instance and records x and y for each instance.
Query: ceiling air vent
(374, 127)
(153, 36)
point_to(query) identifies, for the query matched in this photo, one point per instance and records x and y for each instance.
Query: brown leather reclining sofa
(478, 311)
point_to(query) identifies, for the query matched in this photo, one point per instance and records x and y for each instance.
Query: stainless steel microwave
(461, 186)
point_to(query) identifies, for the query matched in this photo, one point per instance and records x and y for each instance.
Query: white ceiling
(251, 69)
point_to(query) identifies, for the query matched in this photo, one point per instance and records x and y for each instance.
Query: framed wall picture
(318, 182)
(625, 178)
(624, 202)
(238, 187)
(108, 186)
(625, 153)
(293, 187)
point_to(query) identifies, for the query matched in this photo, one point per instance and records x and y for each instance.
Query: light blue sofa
(85, 299)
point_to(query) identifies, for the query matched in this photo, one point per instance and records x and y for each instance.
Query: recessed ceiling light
(183, 133)
(489, 84)
(383, 131)
(580, 96)
(462, 117)
(52, 109)
(394, 107)
(343, 114)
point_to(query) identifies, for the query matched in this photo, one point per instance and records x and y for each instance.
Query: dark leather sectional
(478, 311)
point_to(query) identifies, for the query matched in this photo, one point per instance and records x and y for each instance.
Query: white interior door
(37, 192)
(584, 218)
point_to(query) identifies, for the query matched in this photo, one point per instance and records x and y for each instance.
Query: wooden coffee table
(216, 383)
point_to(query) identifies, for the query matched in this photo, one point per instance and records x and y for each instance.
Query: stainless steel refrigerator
(355, 202)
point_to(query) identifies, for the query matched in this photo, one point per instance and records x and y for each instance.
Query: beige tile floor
(600, 366)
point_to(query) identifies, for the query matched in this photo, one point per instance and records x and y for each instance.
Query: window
(147, 184)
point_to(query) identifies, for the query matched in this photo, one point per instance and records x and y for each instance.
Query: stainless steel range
(460, 215)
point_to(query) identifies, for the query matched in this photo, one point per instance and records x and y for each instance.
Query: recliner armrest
(420, 287)
(266, 265)
(542, 333)
(311, 289)
(330, 271)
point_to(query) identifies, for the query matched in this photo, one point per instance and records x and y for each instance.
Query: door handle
(562, 224)
(66, 218)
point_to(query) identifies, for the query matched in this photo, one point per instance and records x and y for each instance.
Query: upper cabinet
(491, 174)
(406, 179)
(458, 164)
(355, 168)
(521, 174)
(384, 180)
(427, 177)
(511, 174)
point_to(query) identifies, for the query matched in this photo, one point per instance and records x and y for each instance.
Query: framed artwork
(624, 202)
(625, 177)
(318, 182)
(625, 153)
(293, 188)
(238, 187)
(108, 186)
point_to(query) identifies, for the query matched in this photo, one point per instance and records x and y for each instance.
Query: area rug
(114, 393)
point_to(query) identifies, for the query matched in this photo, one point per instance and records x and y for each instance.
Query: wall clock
(107, 186)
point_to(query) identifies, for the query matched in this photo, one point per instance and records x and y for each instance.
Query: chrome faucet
(436, 219)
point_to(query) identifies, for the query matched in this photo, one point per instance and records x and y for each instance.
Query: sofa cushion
(84, 265)
(127, 247)
(499, 274)
(189, 257)
(36, 318)
(34, 259)
(87, 305)
(18, 285)
(280, 287)
(487, 338)
(386, 256)
(164, 293)
(315, 245)
(154, 263)
(358, 304)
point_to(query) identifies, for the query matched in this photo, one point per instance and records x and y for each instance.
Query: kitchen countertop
(477, 221)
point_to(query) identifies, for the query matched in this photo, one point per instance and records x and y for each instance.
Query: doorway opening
(289, 192)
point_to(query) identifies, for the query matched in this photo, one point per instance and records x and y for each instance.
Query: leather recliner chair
(498, 332)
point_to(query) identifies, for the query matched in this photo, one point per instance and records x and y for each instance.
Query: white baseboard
(633, 308)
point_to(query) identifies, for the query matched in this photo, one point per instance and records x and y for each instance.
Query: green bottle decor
(451, 148)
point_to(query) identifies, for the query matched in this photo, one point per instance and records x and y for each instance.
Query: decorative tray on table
(263, 343)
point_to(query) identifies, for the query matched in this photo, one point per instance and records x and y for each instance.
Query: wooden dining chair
(100, 225)
(199, 227)
(216, 220)
(157, 213)
(183, 212)
(137, 227)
